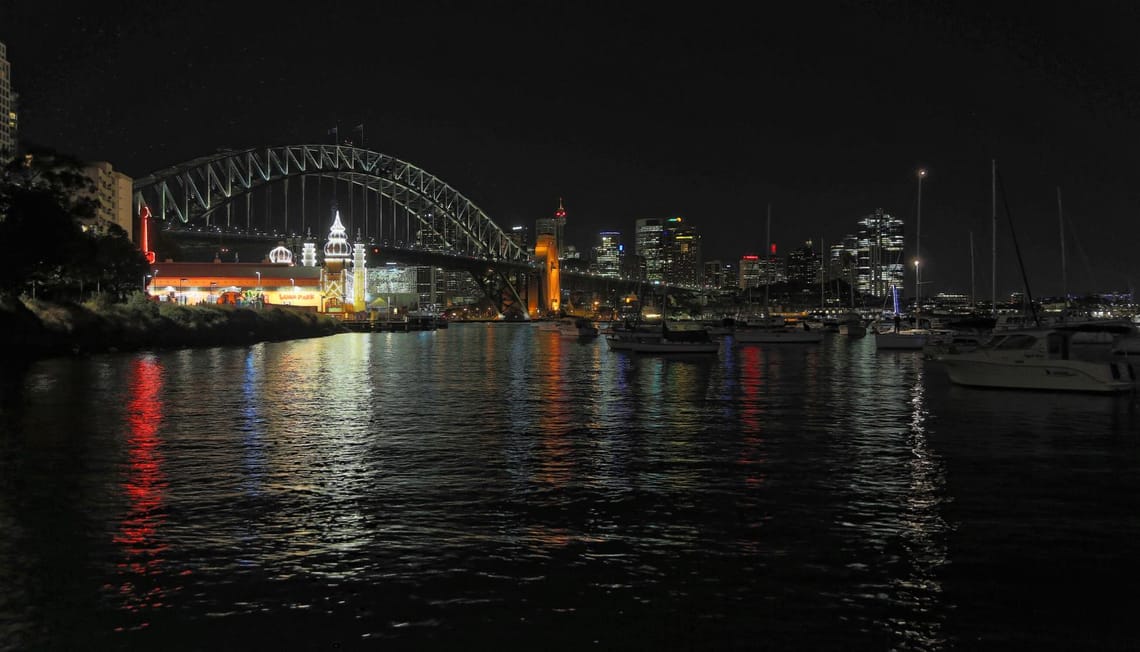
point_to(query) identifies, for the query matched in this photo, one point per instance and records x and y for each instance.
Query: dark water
(497, 487)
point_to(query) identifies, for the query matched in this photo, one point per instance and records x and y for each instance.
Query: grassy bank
(37, 329)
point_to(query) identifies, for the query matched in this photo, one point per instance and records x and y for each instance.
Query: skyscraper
(608, 254)
(681, 253)
(8, 125)
(879, 264)
(803, 265)
(647, 244)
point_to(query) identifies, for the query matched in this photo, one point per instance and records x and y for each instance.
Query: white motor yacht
(1040, 359)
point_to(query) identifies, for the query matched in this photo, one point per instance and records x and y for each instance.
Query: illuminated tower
(309, 255)
(560, 228)
(358, 275)
(548, 249)
(334, 275)
(554, 227)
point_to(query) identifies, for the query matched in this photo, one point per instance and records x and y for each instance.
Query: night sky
(706, 111)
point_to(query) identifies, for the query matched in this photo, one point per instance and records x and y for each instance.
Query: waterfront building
(719, 275)
(841, 261)
(648, 235)
(750, 275)
(335, 272)
(236, 283)
(680, 253)
(110, 191)
(9, 131)
(772, 267)
(878, 256)
(608, 254)
(633, 267)
(803, 265)
(395, 288)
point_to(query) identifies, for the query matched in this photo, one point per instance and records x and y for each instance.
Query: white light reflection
(923, 527)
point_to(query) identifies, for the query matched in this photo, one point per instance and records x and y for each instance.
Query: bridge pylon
(548, 299)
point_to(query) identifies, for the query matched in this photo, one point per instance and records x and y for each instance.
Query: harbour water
(493, 486)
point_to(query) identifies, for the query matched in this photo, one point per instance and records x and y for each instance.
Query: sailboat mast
(918, 255)
(767, 258)
(822, 297)
(1064, 274)
(973, 304)
(993, 210)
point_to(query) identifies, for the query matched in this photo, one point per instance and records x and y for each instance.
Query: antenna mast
(1064, 274)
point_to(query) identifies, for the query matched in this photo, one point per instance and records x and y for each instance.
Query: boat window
(1017, 341)
(1058, 346)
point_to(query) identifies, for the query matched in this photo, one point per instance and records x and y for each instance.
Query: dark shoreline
(39, 329)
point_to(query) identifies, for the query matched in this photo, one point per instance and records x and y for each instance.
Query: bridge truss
(390, 202)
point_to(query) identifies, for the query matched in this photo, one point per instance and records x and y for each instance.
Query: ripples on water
(500, 487)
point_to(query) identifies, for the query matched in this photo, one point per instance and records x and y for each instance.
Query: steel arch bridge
(415, 208)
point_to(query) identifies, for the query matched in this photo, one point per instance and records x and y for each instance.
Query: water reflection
(143, 587)
(490, 477)
(893, 521)
(752, 414)
(924, 530)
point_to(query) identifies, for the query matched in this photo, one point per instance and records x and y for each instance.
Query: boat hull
(666, 346)
(1113, 377)
(852, 330)
(791, 336)
(902, 341)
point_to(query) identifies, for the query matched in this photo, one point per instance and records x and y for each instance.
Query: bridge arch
(192, 191)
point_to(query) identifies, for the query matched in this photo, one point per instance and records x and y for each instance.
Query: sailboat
(1066, 356)
(894, 336)
(774, 330)
(671, 340)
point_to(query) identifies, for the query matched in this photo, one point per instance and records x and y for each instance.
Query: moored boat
(674, 340)
(777, 335)
(620, 337)
(578, 327)
(1038, 359)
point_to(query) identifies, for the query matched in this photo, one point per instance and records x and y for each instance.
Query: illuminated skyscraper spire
(560, 229)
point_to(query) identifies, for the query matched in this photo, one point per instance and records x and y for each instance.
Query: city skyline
(826, 112)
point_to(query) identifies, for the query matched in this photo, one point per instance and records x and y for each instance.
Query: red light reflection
(752, 381)
(144, 487)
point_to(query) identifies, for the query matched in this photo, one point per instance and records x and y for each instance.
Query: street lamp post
(181, 294)
(258, 280)
(917, 253)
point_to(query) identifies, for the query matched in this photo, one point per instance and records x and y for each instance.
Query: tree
(42, 238)
(42, 206)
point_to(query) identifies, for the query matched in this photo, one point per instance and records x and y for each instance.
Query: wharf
(386, 326)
